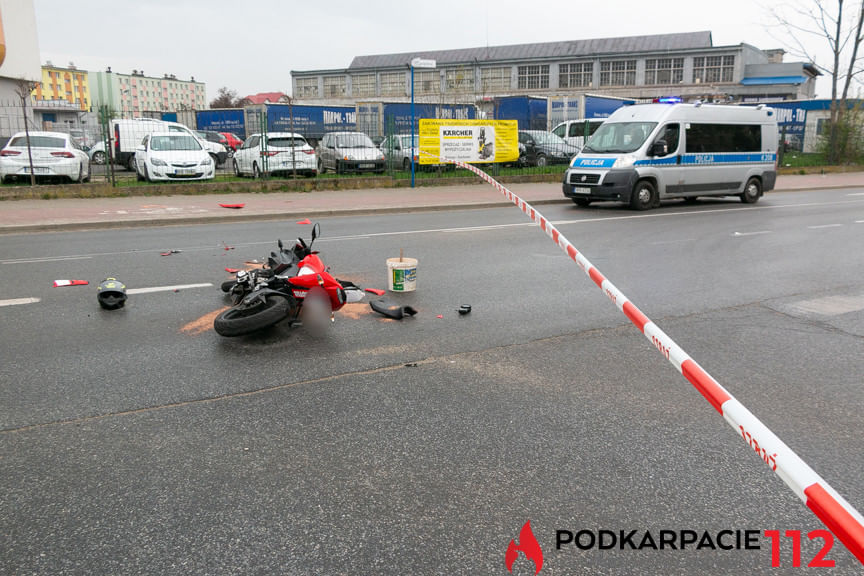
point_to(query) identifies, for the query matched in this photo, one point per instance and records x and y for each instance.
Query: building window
(618, 73)
(664, 71)
(459, 80)
(306, 87)
(393, 84)
(427, 81)
(713, 69)
(335, 86)
(494, 79)
(534, 77)
(575, 75)
(363, 85)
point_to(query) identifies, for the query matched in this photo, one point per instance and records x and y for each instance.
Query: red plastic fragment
(232, 205)
(306, 221)
(60, 283)
(375, 291)
(232, 270)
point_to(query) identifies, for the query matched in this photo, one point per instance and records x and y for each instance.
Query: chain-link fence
(281, 141)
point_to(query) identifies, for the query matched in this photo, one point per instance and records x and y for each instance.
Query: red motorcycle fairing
(313, 275)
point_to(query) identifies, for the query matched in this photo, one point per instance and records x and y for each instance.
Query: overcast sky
(252, 46)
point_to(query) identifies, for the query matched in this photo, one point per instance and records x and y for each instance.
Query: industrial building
(687, 65)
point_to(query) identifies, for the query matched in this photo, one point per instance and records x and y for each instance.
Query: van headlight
(625, 161)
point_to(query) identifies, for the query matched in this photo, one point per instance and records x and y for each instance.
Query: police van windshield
(619, 137)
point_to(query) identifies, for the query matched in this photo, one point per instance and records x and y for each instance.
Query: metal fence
(275, 141)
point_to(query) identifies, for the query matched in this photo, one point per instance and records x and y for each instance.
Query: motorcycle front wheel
(240, 320)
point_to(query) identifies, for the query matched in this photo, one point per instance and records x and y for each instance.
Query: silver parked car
(349, 152)
(399, 148)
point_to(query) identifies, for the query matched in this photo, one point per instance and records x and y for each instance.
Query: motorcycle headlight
(625, 161)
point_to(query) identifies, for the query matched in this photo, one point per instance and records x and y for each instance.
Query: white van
(573, 131)
(647, 152)
(129, 133)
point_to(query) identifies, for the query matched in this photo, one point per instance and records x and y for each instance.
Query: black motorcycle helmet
(111, 294)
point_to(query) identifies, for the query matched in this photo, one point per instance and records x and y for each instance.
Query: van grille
(584, 178)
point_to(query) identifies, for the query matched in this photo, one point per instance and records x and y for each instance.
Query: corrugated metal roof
(574, 48)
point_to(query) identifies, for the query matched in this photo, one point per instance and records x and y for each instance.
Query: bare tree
(840, 24)
(24, 88)
(225, 98)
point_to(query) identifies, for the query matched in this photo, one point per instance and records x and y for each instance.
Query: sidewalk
(84, 213)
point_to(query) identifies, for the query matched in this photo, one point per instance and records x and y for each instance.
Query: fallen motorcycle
(293, 285)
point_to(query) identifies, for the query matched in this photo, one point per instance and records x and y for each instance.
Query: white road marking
(18, 301)
(556, 223)
(45, 259)
(856, 194)
(752, 233)
(824, 226)
(166, 288)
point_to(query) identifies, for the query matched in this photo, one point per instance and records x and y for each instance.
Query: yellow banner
(470, 141)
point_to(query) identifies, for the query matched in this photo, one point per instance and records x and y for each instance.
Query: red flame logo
(528, 545)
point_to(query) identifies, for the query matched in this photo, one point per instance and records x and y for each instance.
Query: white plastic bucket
(401, 274)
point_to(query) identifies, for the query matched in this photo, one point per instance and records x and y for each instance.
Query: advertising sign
(470, 141)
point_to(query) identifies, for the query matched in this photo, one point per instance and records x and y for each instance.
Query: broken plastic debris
(306, 221)
(227, 247)
(464, 309)
(232, 270)
(59, 283)
(440, 316)
(375, 291)
(232, 205)
(391, 309)
(170, 252)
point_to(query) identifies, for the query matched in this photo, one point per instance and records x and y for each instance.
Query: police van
(644, 153)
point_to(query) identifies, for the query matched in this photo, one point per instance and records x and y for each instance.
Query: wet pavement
(88, 213)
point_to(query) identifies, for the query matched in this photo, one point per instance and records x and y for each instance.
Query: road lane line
(824, 226)
(166, 288)
(752, 233)
(19, 301)
(46, 259)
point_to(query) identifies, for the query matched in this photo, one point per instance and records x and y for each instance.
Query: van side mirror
(659, 148)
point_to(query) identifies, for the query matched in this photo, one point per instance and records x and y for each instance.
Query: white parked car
(173, 156)
(97, 153)
(54, 154)
(275, 153)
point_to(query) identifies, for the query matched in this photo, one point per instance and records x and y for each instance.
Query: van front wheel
(644, 195)
(752, 191)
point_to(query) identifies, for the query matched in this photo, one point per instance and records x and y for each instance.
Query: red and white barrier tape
(838, 515)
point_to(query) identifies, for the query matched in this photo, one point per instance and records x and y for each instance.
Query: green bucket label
(404, 276)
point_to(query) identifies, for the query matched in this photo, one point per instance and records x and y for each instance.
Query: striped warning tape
(838, 515)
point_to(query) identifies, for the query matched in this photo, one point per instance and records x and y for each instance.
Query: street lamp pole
(415, 145)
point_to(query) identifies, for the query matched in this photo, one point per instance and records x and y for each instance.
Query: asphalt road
(140, 442)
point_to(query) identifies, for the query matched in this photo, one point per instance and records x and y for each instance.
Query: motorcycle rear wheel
(241, 320)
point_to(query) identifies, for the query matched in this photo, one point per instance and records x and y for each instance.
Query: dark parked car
(542, 148)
